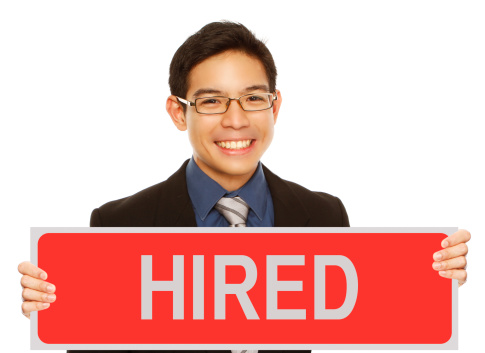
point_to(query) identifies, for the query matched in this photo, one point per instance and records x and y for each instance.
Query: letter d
(352, 287)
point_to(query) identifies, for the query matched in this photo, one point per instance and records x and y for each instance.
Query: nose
(235, 117)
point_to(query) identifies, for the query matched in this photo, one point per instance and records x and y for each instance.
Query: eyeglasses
(219, 105)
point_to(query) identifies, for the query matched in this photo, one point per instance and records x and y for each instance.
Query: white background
(383, 106)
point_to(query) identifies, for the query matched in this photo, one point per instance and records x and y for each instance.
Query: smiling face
(227, 147)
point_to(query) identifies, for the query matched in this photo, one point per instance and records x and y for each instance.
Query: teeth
(234, 145)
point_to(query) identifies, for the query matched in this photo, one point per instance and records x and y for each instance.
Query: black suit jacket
(167, 204)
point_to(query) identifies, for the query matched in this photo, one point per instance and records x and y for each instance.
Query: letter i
(198, 287)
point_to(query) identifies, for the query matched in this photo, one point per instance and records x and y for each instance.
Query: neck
(230, 182)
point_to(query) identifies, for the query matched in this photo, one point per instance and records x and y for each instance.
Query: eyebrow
(202, 91)
(256, 88)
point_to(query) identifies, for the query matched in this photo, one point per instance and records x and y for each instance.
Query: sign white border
(37, 232)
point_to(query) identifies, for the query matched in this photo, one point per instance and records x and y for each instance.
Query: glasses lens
(257, 101)
(211, 105)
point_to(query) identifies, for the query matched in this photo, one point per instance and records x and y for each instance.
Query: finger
(27, 268)
(37, 284)
(455, 263)
(33, 295)
(28, 307)
(462, 236)
(460, 275)
(451, 252)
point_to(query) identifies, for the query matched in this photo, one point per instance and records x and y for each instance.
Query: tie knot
(234, 210)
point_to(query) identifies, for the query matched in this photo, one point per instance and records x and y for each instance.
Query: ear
(176, 112)
(277, 105)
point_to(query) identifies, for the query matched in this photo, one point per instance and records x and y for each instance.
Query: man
(223, 93)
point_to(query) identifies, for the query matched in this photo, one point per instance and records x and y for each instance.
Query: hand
(37, 294)
(451, 262)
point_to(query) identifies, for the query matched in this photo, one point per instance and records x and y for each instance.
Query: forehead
(230, 72)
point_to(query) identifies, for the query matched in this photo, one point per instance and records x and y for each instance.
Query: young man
(223, 93)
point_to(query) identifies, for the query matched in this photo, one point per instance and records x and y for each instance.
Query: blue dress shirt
(204, 193)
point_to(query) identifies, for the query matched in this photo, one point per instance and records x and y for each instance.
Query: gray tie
(234, 210)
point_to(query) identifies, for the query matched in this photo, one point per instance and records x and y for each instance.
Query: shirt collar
(204, 192)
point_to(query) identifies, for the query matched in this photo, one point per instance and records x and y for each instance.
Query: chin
(238, 169)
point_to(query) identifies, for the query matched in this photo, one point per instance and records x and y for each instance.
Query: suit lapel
(289, 211)
(174, 206)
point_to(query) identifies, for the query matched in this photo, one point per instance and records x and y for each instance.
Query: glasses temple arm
(186, 102)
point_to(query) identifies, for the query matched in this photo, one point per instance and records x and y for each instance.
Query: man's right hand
(37, 294)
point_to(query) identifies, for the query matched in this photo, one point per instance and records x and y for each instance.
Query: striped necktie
(234, 210)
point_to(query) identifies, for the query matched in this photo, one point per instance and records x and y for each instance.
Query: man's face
(230, 74)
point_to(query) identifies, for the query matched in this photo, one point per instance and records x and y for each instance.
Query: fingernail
(50, 288)
(442, 273)
(438, 256)
(437, 265)
(51, 297)
(445, 243)
(45, 305)
(43, 276)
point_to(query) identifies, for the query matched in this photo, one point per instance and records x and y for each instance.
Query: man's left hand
(451, 261)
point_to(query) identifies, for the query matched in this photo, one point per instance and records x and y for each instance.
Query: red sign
(211, 289)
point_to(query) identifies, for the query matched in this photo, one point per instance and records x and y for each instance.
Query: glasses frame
(194, 104)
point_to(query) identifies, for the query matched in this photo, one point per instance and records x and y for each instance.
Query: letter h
(148, 286)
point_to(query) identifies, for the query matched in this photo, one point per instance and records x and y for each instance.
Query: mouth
(234, 145)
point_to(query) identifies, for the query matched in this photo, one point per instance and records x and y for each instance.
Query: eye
(209, 101)
(255, 98)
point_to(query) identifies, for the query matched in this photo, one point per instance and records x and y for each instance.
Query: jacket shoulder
(139, 209)
(142, 209)
(321, 206)
(299, 206)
